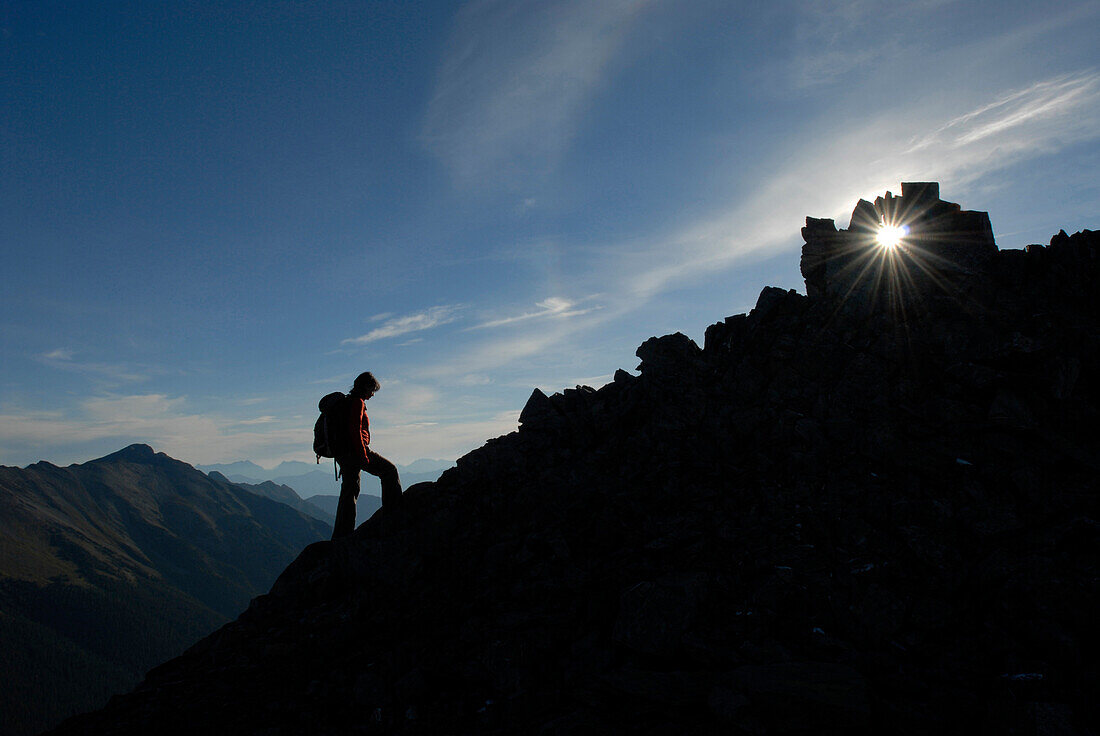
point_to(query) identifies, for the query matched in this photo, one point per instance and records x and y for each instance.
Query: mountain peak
(136, 453)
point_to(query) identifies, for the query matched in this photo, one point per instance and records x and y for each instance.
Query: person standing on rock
(355, 455)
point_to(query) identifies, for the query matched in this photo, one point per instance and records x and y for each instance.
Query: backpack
(325, 437)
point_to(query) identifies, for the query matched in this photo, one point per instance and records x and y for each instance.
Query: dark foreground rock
(869, 510)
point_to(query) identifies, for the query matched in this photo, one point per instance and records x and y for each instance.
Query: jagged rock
(539, 411)
(622, 377)
(864, 510)
(725, 337)
(669, 355)
(773, 303)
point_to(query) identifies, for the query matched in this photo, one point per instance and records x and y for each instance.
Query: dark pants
(377, 466)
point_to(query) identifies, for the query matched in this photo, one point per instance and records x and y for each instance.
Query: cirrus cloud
(415, 322)
(517, 76)
(552, 307)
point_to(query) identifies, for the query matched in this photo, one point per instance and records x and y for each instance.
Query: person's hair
(365, 382)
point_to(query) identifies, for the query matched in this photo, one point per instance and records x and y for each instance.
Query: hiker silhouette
(354, 455)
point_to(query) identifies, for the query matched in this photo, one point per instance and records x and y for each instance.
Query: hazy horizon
(325, 465)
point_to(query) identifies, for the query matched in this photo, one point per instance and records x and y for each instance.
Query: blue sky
(213, 213)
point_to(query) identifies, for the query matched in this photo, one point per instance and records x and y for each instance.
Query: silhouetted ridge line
(871, 509)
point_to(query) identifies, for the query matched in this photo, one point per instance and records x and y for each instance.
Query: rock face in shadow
(843, 514)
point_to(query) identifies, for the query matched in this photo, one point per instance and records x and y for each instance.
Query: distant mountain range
(365, 507)
(284, 494)
(288, 470)
(318, 485)
(112, 566)
(321, 506)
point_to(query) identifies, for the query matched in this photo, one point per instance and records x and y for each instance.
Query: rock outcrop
(872, 509)
(946, 249)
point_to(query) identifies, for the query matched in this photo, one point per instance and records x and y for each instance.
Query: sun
(890, 236)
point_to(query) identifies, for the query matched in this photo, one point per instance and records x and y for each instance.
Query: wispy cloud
(408, 399)
(474, 379)
(266, 419)
(329, 380)
(65, 359)
(415, 322)
(105, 423)
(823, 47)
(836, 39)
(552, 307)
(1047, 109)
(515, 78)
(493, 356)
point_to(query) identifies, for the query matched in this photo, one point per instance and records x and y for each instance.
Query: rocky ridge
(872, 509)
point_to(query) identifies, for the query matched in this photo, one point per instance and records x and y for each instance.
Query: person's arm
(355, 427)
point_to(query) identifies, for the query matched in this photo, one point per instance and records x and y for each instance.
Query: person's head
(366, 385)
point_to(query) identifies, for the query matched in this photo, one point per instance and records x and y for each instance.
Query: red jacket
(358, 427)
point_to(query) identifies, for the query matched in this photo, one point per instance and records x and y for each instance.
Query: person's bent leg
(349, 493)
(386, 472)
